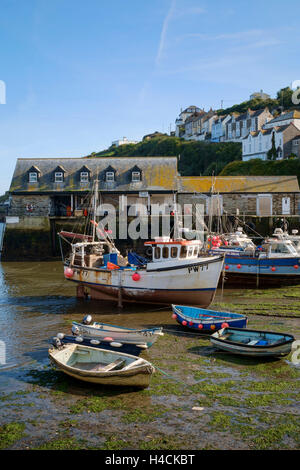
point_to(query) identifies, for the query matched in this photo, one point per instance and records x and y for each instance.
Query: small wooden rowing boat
(101, 366)
(207, 320)
(252, 342)
(146, 336)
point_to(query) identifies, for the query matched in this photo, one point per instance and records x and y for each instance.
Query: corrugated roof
(239, 184)
(158, 174)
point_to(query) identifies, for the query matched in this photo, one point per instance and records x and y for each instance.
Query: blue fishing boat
(274, 262)
(252, 342)
(203, 320)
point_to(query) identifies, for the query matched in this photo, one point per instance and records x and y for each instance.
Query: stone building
(250, 196)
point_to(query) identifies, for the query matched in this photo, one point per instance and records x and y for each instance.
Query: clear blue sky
(80, 74)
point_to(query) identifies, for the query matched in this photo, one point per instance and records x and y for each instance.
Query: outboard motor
(56, 342)
(75, 330)
(87, 320)
(60, 335)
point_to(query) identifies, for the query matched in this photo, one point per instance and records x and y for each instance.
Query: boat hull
(124, 348)
(123, 335)
(191, 284)
(240, 270)
(138, 376)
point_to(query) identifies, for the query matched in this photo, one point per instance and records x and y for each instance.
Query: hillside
(194, 158)
(282, 102)
(258, 167)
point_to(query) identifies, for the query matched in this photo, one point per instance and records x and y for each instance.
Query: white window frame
(109, 177)
(58, 177)
(136, 176)
(84, 177)
(33, 177)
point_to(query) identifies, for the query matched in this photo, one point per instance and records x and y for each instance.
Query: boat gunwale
(167, 268)
(122, 329)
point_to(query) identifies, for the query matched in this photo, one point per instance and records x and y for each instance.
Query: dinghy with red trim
(204, 320)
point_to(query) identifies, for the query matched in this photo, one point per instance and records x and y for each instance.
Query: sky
(76, 75)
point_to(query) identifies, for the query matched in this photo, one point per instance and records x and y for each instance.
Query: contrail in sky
(164, 32)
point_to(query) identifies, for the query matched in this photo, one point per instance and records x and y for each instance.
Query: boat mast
(95, 207)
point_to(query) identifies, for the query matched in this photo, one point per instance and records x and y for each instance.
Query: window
(136, 176)
(32, 177)
(157, 252)
(174, 251)
(165, 252)
(84, 177)
(59, 177)
(183, 252)
(190, 251)
(110, 176)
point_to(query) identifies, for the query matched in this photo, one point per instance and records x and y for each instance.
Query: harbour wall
(35, 238)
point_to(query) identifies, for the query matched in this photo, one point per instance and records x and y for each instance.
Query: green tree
(272, 153)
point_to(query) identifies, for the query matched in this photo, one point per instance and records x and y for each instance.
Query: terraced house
(240, 125)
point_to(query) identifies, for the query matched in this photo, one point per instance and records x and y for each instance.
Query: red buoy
(273, 268)
(296, 266)
(191, 323)
(212, 327)
(200, 326)
(174, 316)
(69, 272)
(226, 267)
(184, 323)
(136, 277)
(225, 325)
(239, 266)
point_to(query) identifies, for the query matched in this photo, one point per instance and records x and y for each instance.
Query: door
(264, 205)
(286, 206)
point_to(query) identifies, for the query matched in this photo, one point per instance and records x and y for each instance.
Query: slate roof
(283, 117)
(158, 174)
(239, 184)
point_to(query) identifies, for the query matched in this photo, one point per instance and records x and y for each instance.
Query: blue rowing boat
(204, 320)
(253, 342)
(132, 349)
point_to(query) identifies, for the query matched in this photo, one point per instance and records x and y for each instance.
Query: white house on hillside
(292, 117)
(218, 128)
(123, 141)
(240, 125)
(257, 144)
(183, 116)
